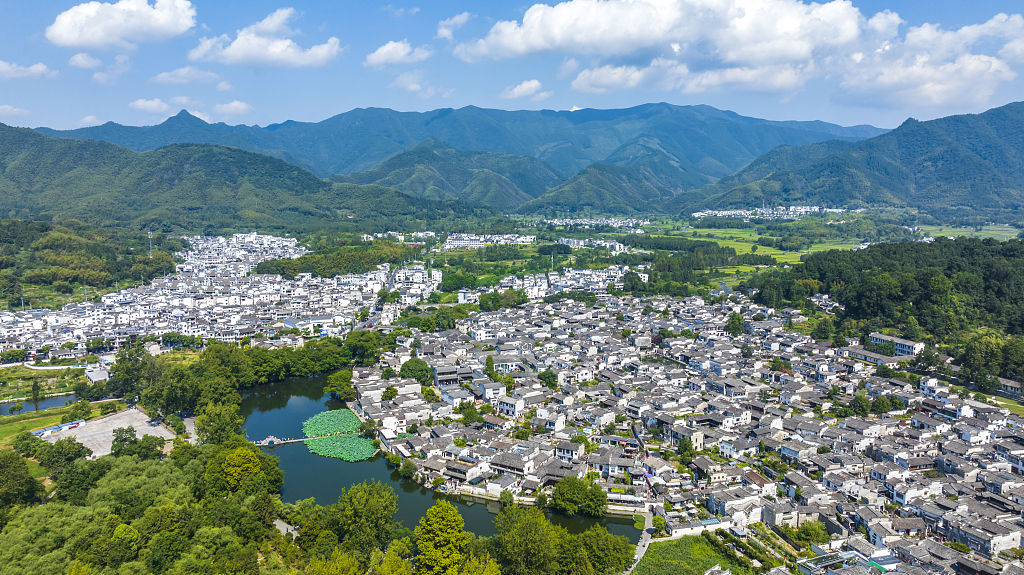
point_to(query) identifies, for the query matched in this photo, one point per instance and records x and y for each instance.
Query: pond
(279, 410)
(27, 405)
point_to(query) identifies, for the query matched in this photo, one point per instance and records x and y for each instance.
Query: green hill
(437, 171)
(953, 166)
(602, 188)
(185, 186)
(716, 142)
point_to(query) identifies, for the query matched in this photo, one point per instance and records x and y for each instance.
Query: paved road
(645, 541)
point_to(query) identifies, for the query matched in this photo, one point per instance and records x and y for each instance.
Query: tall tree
(734, 324)
(218, 422)
(526, 543)
(441, 541)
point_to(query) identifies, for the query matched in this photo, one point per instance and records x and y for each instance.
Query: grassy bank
(689, 555)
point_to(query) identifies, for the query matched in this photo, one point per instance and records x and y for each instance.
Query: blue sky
(65, 64)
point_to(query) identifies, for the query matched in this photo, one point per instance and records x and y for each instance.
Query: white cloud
(542, 96)
(154, 106)
(445, 28)
(399, 12)
(88, 121)
(763, 45)
(122, 24)
(409, 81)
(397, 53)
(525, 88)
(204, 117)
(224, 86)
(186, 75)
(10, 70)
(122, 64)
(7, 110)
(266, 43)
(1013, 50)
(83, 60)
(569, 66)
(183, 101)
(413, 82)
(233, 108)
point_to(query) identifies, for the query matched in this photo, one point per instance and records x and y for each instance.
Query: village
(706, 412)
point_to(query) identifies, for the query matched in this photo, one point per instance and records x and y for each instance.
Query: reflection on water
(27, 404)
(279, 409)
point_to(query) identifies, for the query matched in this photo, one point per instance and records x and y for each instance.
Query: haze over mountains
(654, 158)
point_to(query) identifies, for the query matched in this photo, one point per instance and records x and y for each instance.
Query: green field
(689, 555)
(999, 232)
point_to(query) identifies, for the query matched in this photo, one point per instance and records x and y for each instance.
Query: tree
(506, 498)
(734, 324)
(625, 333)
(526, 543)
(240, 465)
(659, 523)
(881, 405)
(218, 422)
(389, 373)
(59, 455)
(549, 378)
(824, 330)
(17, 485)
(133, 371)
(407, 469)
(441, 541)
(368, 428)
(15, 408)
(390, 392)
(338, 563)
(606, 553)
(126, 442)
(489, 366)
(175, 390)
(339, 385)
(686, 451)
(860, 405)
(746, 352)
(417, 369)
(572, 495)
(364, 519)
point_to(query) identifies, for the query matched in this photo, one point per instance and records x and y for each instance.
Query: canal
(279, 409)
(46, 403)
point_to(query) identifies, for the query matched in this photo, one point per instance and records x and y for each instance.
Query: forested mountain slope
(183, 186)
(972, 163)
(435, 170)
(716, 142)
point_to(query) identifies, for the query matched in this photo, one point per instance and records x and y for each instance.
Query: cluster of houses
(774, 213)
(596, 222)
(613, 391)
(458, 241)
(215, 295)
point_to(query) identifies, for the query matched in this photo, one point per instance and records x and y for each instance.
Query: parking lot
(98, 435)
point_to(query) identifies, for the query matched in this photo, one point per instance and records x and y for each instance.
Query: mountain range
(715, 142)
(655, 158)
(972, 163)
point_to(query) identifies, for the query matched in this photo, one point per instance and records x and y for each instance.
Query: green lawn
(37, 471)
(9, 430)
(689, 555)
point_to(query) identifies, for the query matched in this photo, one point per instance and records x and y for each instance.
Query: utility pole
(150, 245)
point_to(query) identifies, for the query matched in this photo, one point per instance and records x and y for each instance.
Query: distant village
(776, 213)
(612, 390)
